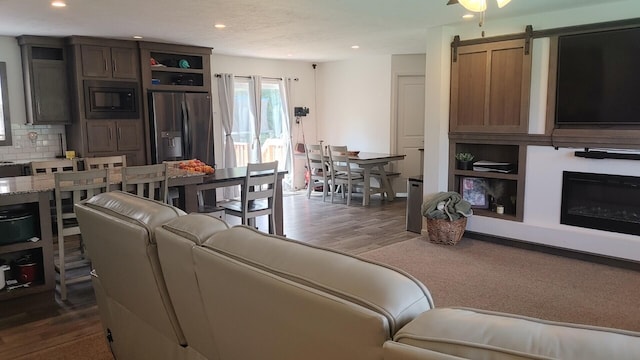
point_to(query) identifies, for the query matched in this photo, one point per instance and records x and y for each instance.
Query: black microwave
(111, 99)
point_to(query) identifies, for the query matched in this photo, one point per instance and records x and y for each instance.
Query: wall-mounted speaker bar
(606, 155)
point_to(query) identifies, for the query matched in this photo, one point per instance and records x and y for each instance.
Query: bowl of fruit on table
(196, 166)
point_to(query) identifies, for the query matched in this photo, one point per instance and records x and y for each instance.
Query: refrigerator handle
(186, 131)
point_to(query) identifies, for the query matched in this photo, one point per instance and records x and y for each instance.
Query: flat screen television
(598, 79)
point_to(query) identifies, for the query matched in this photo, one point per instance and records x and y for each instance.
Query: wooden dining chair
(257, 195)
(53, 166)
(47, 167)
(102, 162)
(78, 186)
(150, 181)
(341, 174)
(317, 167)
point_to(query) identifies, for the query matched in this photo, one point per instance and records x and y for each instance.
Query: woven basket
(446, 232)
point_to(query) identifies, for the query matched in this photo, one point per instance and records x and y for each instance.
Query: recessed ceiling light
(355, 47)
(58, 3)
(137, 37)
(219, 26)
(289, 55)
(468, 16)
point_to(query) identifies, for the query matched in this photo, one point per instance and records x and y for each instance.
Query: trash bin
(414, 204)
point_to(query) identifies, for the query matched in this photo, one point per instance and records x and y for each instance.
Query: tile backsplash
(33, 142)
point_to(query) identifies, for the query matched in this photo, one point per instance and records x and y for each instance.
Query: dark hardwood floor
(44, 321)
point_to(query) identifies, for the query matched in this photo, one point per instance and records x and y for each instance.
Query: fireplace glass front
(601, 201)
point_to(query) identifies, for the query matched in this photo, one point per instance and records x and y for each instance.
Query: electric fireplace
(601, 201)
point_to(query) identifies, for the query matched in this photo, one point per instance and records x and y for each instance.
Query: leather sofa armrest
(472, 333)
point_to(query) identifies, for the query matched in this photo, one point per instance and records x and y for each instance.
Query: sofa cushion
(388, 291)
(131, 208)
(118, 230)
(480, 334)
(175, 242)
(271, 298)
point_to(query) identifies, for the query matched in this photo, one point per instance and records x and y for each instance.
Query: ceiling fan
(476, 5)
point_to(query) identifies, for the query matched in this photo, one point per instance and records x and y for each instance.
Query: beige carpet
(484, 275)
(92, 347)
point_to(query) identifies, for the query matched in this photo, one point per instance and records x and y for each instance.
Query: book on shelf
(493, 166)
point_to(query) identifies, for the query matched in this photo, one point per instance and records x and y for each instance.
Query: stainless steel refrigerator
(181, 126)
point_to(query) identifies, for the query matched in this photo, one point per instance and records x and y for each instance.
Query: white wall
(353, 104)
(303, 94)
(354, 101)
(544, 164)
(436, 143)
(413, 64)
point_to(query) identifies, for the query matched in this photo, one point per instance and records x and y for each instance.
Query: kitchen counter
(43, 183)
(4, 162)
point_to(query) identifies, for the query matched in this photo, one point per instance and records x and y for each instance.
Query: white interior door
(409, 116)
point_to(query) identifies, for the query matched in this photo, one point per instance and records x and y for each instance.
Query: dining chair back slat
(150, 181)
(53, 166)
(258, 195)
(105, 162)
(317, 168)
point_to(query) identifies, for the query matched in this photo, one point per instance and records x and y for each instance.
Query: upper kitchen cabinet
(102, 61)
(106, 58)
(44, 67)
(172, 67)
(490, 86)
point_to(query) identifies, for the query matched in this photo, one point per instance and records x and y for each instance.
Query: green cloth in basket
(446, 205)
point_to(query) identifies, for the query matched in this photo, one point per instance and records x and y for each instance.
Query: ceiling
(313, 30)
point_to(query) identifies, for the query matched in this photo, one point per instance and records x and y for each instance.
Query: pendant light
(480, 5)
(474, 5)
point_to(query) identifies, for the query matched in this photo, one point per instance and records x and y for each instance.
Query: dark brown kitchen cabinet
(114, 135)
(490, 87)
(44, 66)
(129, 135)
(109, 62)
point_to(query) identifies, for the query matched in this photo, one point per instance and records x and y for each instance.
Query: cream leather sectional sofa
(177, 286)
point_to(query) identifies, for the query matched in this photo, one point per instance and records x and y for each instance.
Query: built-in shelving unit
(169, 67)
(41, 251)
(489, 115)
(506, 189)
